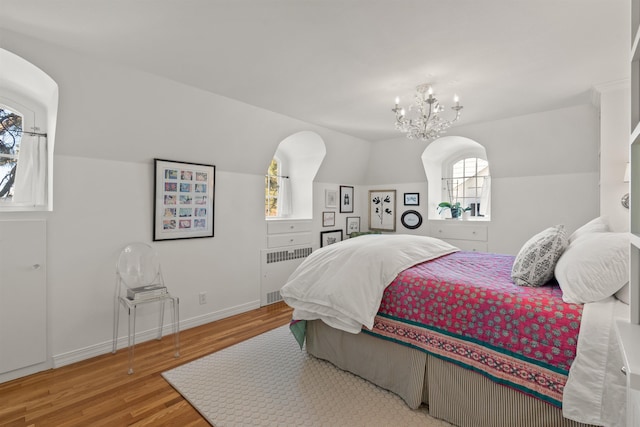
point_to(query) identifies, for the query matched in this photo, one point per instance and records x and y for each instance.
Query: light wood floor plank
(98, 391)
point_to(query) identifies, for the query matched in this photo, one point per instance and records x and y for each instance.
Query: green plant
(456, 208)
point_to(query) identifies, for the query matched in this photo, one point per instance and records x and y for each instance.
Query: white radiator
(275, 268)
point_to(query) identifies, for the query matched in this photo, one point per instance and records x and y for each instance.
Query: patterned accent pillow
(536, 261)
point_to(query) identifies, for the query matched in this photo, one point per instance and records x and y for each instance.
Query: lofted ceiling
(340, 63)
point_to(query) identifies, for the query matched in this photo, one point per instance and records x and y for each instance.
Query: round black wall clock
(411, 219)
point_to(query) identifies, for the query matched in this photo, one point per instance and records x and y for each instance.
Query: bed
(451, 329)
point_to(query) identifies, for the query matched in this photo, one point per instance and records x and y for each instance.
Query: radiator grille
(287, 255)
(275, 268)
(273, 297)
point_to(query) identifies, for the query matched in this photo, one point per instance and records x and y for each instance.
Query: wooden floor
(98, 392)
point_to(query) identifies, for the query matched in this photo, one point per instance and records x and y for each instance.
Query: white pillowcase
(597, 225)
(623, 294)
(593, 267)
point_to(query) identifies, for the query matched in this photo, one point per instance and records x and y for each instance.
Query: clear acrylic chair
(138, 269)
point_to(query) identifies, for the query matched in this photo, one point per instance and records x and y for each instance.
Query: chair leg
(132, 338)
(161, 321)
(176, 325)
(116, 323)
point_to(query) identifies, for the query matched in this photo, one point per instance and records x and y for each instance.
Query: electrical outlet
(202, 297)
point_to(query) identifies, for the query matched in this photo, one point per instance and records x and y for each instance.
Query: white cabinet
(282, 233)
(630, 345)
(465, 235)
(23, 295)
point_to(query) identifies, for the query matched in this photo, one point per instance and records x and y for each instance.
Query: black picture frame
(184, 200)
(411, 219)
(353, 225)
(346, 199)
(330, 237)
(412, 199)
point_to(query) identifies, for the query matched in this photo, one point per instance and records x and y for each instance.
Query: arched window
(10, 137)
(457, 171)
(273, 187)
(23, 159)
(465, 182)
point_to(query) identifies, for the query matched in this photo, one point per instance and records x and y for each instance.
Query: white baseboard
(23, 372)
(105, 347)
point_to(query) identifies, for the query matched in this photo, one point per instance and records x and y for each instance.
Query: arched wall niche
(441, 154)
(22, 83)
(301, 155)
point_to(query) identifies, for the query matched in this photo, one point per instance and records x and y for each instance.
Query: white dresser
(293, 232)
(468, 236)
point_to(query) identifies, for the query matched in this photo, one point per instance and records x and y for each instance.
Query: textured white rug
(269, 381)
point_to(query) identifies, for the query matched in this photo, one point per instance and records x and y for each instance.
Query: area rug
(268, 381)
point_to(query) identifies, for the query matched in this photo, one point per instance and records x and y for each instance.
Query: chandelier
(423, 120)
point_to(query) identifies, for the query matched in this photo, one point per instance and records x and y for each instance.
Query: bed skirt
(459, 396)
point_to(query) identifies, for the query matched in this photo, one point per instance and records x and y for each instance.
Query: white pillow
(623, 294)
(597, 225)
(593, 267)
(537, 258)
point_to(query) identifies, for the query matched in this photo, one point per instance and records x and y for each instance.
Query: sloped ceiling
(340, 64)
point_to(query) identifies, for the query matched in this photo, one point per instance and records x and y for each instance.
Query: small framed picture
(328, 219)
(353, 225)
(330, 198)
(330, 237)
(412, 199)
(346, 199)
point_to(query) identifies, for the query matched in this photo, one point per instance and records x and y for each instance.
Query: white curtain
(284, 197)
(29, 187)
(485, 198)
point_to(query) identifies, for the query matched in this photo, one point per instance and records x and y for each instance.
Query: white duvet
(342, 284)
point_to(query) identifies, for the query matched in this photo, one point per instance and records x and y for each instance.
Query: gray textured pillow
(537, 258)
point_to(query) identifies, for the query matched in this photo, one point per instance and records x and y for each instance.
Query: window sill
(289, 218)
(471, 219)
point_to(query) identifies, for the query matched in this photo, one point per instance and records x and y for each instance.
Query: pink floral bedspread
(464, 308)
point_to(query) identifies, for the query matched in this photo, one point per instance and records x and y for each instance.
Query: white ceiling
(340, 63)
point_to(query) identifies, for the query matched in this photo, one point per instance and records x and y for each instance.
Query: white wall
(615, 122)
(102, 205)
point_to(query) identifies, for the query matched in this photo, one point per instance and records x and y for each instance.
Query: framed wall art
(382, 210)
(346, 199)
(330, 237)
(353, 225)
(411, 199)
(411, 219)
(330, 198)
(328, 219)
(183, 200)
